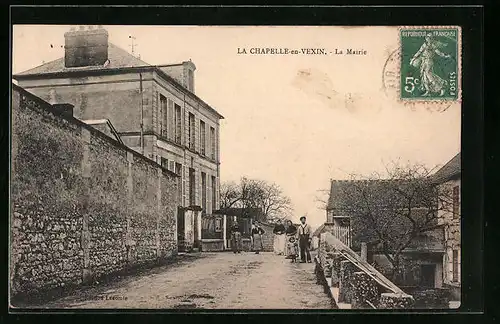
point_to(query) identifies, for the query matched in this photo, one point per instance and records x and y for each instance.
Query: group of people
(255, 235)
(293, 241)
(289, 240)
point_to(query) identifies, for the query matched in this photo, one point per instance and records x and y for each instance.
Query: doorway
(181, 230)
(427, 272)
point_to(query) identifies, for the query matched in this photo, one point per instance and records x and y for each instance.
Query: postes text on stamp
(429, 64)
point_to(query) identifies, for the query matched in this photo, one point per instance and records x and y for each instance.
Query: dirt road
(211, 281)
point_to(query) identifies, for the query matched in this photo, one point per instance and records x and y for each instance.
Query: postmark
(392, 87)
(429, 63)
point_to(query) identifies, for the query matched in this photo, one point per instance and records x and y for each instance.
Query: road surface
(210, 281)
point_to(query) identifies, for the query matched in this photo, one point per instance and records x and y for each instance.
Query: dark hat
(304, 217)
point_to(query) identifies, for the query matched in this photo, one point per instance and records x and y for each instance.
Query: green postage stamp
(430, 68)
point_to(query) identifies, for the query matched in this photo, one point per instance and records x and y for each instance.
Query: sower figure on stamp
(304, 240)
(424, 61)
(236, 237)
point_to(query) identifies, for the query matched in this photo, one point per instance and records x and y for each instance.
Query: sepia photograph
(235, 167)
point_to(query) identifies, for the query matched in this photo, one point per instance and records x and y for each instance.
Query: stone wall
(82, 205)
(268, 238)
(212, 245)
(355, 287)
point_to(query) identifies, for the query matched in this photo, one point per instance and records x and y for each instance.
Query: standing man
(236, 237)
(304, 240)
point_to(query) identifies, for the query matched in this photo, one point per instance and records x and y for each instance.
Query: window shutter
(185, 176)
(170, 127)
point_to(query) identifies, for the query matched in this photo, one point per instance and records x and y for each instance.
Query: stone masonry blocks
(365, 290)
(396, 301)
(82, 205)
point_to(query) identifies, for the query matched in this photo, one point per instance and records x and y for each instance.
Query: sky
(287, 119)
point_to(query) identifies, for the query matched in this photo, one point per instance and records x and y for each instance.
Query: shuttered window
(191, 134)
(203, 139)
(212, 142)
(163, 117)
(178, 124)
(455, 266)
(456, 201)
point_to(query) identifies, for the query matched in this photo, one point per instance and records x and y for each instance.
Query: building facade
(421, 259)
(448, 179)
(153, 108)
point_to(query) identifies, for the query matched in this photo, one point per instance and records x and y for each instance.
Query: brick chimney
(189, 69)
(86, 47)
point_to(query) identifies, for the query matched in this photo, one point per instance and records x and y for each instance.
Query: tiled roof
(336, 192)
(449, 170)
(379, 191)
(118, 58)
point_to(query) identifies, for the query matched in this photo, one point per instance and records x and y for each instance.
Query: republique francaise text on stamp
(430, 63)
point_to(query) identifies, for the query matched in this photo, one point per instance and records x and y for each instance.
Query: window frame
(177, 123)
(163, 116)
(203, 138)
(213, 143)
(455, 266)
(456, 201)
(191, 131)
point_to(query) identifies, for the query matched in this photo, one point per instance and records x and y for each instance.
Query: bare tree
(321, 198)
(395, 210)
(254, 193)
(229, 194)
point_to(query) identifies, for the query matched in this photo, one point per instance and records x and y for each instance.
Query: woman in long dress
(424, 61)
(257, 232)
(279, 238)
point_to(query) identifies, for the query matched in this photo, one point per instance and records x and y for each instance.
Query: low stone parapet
(396, 301)
(354, 283)
(346, 285)
(365, 292)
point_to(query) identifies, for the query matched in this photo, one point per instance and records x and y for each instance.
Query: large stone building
(448, 178)
(154, 109)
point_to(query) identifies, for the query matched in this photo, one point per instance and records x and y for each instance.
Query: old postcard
(235, 167)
